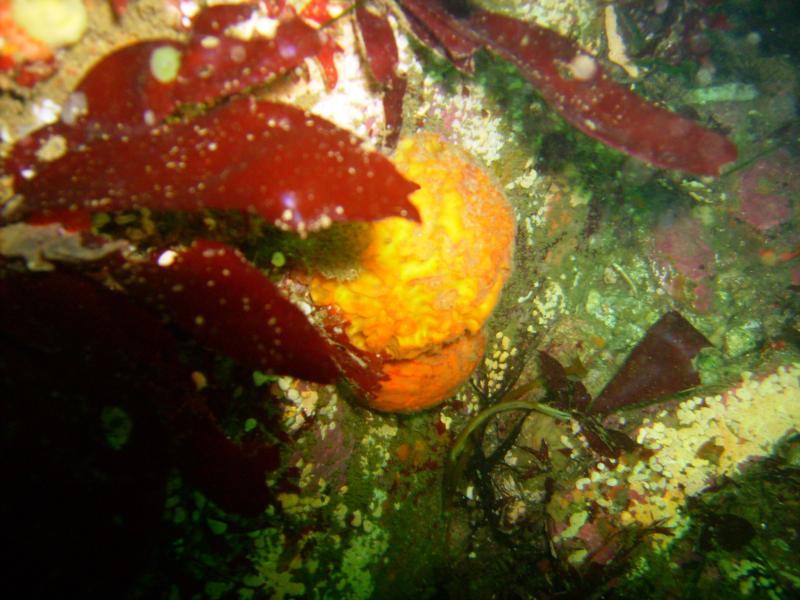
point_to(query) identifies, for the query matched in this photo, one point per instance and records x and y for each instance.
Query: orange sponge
(422, 382)
(427, 288)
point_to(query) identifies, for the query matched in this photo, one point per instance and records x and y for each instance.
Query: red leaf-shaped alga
(294, 169)
(437, 28)
(569, 394)
(382, 55)
(127, 90)
(575, 85)
(76, 343)
(218, 65)
(660, 364)
(211, 291)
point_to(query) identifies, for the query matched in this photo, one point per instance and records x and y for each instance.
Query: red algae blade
(393, 109)
(127, 93)
(361, 368)
(120, 91)
(88, 342)
(51, 311)
(431, 22)
(232, 476)
(123, 89)
(575, 85)
(215, 19)
(227, 65)
(660, 364)
(379, 43)
(228, 305)
(382, 55)
(292, 168)
(117, 96)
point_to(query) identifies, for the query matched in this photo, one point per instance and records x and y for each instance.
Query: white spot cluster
(583, 67)
(464, 118)
(256, 25)
(745, 422)
(496, 360)
(376, 445)
(45, 111)
(527, 178)
(75, 107)
(167, 258)
(549, 304)
(52, 148)
(705, 439)
(301, 403)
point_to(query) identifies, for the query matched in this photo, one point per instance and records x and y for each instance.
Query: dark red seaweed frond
(76, 343)
(382, 55)
(229, 65)
(227, 304)
(569, 394)
(294, 169)
(660, 364)
(575, 84)
(436, 28)
(113, 150)
(379, 42)
(136, 87)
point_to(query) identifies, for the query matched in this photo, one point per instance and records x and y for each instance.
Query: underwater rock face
(766, 191)
(606, 244)
(680, 240)
(422, 287)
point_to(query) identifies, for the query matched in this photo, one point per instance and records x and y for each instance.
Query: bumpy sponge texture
(425, 290)
(421, 286)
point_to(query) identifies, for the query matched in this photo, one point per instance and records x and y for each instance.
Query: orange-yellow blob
(427, 288)
(422, 382)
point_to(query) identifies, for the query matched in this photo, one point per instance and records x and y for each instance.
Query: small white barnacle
(210, 41)
(582, 67)
(74, 108)
(167, 258)
(165, 62)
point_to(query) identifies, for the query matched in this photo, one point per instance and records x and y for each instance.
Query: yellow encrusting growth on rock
(744, 423)
(703, 441)
(423, 286)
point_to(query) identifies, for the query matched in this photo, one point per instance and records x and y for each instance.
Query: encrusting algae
(425, 290)
(715, 437)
